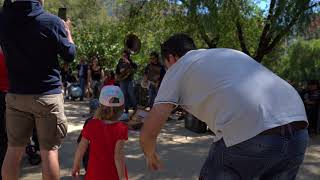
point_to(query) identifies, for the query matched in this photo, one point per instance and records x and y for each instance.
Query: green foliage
(82, 13)
(301, 63)
(102, 41)
(100, 27)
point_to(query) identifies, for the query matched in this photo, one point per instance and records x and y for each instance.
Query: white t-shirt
(237, 97)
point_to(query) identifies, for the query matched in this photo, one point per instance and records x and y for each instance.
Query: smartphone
(62, 13)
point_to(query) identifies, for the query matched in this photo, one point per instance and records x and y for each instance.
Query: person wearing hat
(107, 136)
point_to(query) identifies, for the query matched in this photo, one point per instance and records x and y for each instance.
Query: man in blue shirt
(31, 40)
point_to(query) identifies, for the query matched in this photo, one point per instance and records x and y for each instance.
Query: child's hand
(76, 171)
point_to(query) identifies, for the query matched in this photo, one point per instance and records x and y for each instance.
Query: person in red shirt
(3, 91)
(107, 137)
(109, 79)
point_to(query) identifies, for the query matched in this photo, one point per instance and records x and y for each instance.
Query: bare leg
(50, 165)
(11, 164)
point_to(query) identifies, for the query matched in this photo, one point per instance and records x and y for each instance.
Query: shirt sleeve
(170, 89)
(87, 131)
(66, 49)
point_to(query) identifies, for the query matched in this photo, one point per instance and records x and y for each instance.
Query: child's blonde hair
(108, 113)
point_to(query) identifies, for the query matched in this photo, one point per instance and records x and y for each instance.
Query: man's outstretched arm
(150, 131)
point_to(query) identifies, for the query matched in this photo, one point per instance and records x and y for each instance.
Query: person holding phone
(31, 48)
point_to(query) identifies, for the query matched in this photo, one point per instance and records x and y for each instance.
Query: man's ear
(172, 58)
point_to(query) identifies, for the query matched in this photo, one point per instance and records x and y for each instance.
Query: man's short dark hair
(177, 45)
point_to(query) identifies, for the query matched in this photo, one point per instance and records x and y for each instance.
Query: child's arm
(82, 147)
(119, 159)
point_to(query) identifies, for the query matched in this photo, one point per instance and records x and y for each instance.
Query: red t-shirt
(108, 82)
(103, 138)
(4, 84)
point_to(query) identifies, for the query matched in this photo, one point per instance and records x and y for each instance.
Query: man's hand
(153, 162)
(150, 131)
(67, 26)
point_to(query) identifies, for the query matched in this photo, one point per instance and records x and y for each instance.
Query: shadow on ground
(181, 151)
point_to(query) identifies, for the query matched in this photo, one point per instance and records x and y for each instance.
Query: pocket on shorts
(62, 129)
(62, 122)
(51, 108)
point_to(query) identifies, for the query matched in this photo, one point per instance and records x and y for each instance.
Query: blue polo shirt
(32, 40)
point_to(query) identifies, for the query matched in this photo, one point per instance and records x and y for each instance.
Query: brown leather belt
(286, 129)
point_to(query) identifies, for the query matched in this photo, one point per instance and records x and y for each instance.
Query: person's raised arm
(150, 131)
(119, 159)
(67, 26)
(66, 47)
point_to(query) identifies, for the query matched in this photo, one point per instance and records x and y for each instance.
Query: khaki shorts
(45, 112)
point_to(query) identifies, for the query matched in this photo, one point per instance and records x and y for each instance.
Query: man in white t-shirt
(258, 119)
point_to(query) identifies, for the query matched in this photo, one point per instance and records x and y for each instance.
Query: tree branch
(288, 28)
(263, 38)
(282, 33)
(191, 5)
(241, 38)
(313, 5)
(272, 43)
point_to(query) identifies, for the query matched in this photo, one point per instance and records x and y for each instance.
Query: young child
(106, 136)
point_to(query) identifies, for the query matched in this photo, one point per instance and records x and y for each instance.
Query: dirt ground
(181, 151)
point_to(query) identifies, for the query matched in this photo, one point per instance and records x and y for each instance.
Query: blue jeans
(82, 83)
(129, 95)
(265, 157)
(152, 92)
(96, 87)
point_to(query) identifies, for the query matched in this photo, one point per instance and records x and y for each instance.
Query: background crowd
(87, 78)
(34, 97)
